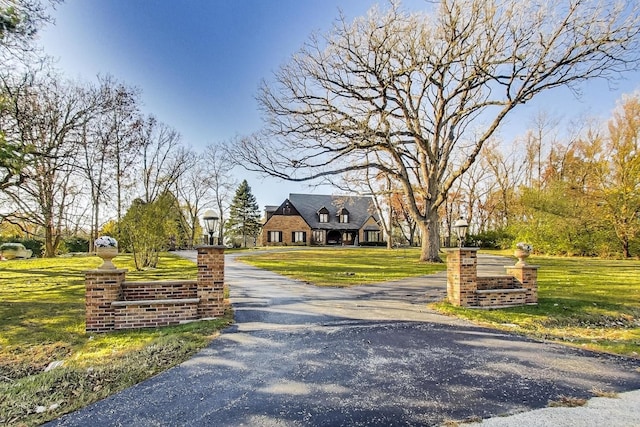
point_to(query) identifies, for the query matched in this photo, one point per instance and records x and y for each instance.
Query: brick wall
(462, 276)
(465, 288)
(210, 286)
(495, 282)
(102, 287)
(501, 297)
(133, 291)
(154, 313)
(112, 303)
(527, 277)
(286, 224)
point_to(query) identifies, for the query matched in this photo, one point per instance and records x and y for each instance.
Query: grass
(591, 303)
(344, 266)
(586, 302)
(42, 321)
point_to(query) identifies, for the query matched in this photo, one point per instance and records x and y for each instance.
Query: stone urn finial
(107, 249)
(522, 252)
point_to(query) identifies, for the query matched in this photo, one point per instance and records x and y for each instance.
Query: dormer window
(343, 216)
(323, 215)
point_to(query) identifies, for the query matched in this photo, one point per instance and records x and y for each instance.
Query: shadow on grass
(35, 323)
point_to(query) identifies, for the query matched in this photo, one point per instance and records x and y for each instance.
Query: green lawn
(42, 321)
(587, 302)
(344, 266)
(591, 303)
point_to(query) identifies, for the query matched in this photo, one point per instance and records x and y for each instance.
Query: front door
(334, 237)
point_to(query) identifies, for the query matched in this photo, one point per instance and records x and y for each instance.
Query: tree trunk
(49, 243)
(625, 248)
(94, 228)
(430, 238)
(390, 224)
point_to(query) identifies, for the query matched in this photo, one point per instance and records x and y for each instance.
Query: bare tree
(507, 171)
(467, 199)
(192, 189)
(104, 144)
(163, 158)
(427, 90)
(221, 182)
(48, 115)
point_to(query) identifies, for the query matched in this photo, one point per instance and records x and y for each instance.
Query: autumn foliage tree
(617, 180)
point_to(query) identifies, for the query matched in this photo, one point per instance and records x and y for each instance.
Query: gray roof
(360, 210)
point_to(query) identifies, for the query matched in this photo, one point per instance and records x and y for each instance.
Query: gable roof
(360, 209)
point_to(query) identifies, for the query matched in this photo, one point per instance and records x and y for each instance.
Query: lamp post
(460, 227)
(210, 223)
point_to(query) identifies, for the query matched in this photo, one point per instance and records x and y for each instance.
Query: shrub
(34, 245)
(76, 244)
(492, 239)
(373, 243)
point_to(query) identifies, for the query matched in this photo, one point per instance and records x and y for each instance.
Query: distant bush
(491, 239)
(76, 244)
(34, 245)
(373, 243)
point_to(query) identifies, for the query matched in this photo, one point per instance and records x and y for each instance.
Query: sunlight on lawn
(344, 267)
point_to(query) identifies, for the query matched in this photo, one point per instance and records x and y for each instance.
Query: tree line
(81, 159)
(401, 106)
(411, 98)
(78, 153)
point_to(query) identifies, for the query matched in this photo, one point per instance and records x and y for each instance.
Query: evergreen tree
(244, 215)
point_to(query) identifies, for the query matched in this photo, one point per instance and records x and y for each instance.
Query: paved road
(364, 356)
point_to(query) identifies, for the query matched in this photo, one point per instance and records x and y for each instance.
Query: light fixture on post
(460, 227)
(210, 223)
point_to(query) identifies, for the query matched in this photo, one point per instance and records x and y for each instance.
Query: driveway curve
(299, 355)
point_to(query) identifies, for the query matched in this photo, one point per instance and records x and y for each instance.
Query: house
(311, 219)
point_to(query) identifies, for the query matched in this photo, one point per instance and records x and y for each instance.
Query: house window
(371, 236)
(274, 237)
(299, 236)
(343, 216)
(318, 236)
(323, 215)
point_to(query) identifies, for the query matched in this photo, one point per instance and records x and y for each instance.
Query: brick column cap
(460, 249)
(211, 247)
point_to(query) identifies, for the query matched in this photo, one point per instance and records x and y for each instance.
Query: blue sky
(199, 62)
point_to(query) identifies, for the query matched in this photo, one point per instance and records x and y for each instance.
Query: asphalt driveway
(376, 356)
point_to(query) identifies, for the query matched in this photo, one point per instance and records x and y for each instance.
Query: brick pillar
(102, 288)
(210, 281)
(527, 277)
(462, 280)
